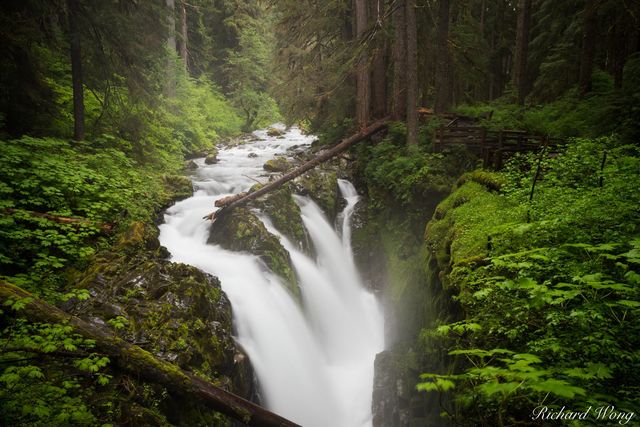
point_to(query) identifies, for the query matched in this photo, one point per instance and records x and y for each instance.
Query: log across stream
(313, 358)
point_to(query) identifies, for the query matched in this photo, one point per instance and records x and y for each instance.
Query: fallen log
(142, 364)
(227, 206)
(229, 199)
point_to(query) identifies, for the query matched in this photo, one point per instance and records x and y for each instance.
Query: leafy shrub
(549, 286)
(397, 174)
(42, 179)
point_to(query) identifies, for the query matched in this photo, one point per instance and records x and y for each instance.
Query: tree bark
(519, 78)
(412, 73)
(379, 69)
(323, 157)
(184, 37)
(443, 67)
(140, 363)
(588, 45)
(170, 89)
(362, 67)
(399, 53)
(73, 7)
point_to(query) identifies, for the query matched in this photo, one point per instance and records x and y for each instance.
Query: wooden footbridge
(491, 145)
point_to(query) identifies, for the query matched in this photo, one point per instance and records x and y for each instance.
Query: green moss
(491, 180)
(177, 187)
(279, 164)
(241, 230)
(285, 214)
(463, 223)
(322, 186)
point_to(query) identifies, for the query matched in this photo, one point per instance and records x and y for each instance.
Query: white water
(314, 363)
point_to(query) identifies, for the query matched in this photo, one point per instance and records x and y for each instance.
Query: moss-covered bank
(403, 186)
(547, 284)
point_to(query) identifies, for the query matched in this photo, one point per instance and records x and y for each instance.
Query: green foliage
(604, 112)
(248, 65)
(401, 175)
(53, 393)
(199, 115)
(553, 280)
(47, 178)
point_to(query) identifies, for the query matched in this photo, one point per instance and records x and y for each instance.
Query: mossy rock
(138, 236)
(177, 187)
(322, 186)
(176, 312)
(211, 159)
(279, 164)
(241, 230)
(464, 224)
(285, 215)
(491, 180)
(274, 132)
(190, 165)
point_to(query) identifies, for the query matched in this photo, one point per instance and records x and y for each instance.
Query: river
(313, 360)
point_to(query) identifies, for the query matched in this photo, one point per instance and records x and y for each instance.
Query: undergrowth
(549, 284)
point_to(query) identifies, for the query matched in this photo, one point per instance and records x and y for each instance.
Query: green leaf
(491, 388)
(559, 388)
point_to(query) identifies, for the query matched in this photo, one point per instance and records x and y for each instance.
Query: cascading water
(314, 361)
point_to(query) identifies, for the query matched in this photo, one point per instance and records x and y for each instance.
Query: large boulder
(279, 164)
(177, 187)
(284, 213)
(176, 312)
(275, 132)
(242, 230)
(321, 185)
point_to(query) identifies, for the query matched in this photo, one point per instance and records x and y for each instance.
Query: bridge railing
(491, 144)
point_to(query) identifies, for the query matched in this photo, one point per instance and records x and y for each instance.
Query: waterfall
(314, 360)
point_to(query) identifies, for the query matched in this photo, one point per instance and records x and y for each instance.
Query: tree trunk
(184, 37)
(398, 99)
(443, 63)
(412, 73)
(519, 78)
(140, 363)
(362, 67)
(170, 89)
(622, 29)
(379, 69)
(323, 157)
(588, 45)
(76, 70)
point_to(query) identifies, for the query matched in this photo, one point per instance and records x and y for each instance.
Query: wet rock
(283, 211)
(174, 311)
(274, 132)
(386, 406)
(321, 185)
(211, 159)
(252, 155)
(178, 187)
(190, 165)
(279, 164)
(242, 230)
(396, 402)
(195, 154)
